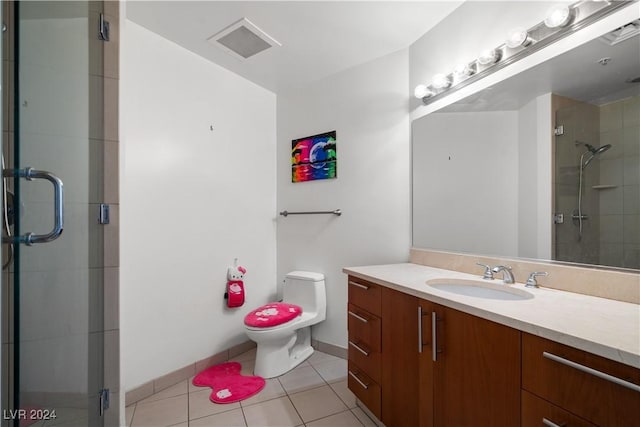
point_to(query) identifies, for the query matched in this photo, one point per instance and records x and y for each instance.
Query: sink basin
(480, 289)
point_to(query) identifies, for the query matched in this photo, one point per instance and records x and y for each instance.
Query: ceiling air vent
(623, 33)
(243, 39)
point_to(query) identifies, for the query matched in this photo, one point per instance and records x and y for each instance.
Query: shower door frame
(109, 240)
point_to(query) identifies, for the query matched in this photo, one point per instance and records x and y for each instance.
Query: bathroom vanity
(421, 355)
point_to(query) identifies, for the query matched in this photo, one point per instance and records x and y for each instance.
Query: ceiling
(318, 38)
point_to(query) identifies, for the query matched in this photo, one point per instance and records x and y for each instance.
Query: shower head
(594, 152)
(601, 150)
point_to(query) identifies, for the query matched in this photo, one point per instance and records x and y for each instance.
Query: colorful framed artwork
(314, 157)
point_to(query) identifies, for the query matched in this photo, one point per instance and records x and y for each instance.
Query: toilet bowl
(285, 343)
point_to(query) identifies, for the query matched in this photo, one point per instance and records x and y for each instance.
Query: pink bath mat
(227, 385)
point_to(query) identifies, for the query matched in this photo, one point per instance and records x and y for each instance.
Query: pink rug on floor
(227, 384)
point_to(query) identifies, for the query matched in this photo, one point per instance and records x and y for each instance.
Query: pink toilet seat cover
(272, 314)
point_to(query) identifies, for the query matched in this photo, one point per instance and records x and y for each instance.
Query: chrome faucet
(507, 275)
(532, 282)
(488, 274)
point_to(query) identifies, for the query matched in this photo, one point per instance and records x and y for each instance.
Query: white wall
(192, 199)
(465, 182)
(368, 107)
(535, 178)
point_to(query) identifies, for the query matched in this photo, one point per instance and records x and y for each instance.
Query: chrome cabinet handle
(360, 318)
(592, 371)
(355, 377)
(58, 205)
(357, 347)
(434, 337)
(419, 329)
(366, 288)
(550, 423)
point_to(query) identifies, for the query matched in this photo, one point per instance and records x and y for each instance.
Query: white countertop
(600, 326)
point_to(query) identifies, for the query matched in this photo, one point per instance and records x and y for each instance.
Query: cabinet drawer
(367, 360)
(365, 294)
(537, 412)
(363, 327)
(572, 379)
(365, 389)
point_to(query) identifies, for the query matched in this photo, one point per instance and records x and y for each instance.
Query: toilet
(282, 331)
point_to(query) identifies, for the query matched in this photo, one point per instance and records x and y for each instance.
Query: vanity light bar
(559, 23)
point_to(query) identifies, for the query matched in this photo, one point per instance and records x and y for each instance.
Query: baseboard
(154, 386)
(369, 413)
(331, 349)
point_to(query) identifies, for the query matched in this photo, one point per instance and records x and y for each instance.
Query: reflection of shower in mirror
(578, 216)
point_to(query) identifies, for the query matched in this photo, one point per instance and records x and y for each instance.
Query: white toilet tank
(306, 289)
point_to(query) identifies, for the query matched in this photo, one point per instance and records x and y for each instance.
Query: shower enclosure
(597, 183)
(53, 332)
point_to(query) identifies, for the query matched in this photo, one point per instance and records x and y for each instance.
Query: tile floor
(313, 394)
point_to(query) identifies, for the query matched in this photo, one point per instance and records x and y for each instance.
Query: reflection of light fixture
(422, 91)
(517, 37)
(489, 56)
(558, 16)
(462, 71)
(441, 81)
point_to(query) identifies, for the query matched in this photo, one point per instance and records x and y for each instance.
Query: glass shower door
(57, 285)
(576, 204)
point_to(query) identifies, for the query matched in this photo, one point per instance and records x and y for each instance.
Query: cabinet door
(425, 410)
(476, 372)
(400, 398)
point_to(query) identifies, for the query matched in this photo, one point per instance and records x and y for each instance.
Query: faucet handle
(488, 274)
(532, 282)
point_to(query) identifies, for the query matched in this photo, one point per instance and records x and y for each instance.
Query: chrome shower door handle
(58, 204)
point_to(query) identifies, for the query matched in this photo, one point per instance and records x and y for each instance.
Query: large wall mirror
(490, 175)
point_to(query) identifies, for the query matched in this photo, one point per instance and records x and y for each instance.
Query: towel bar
(336, 212)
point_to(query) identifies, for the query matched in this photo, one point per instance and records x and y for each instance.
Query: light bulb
(517, 37)
(441, 81)
(558, 16)
(489, 56)
(463, 71)
(422, 91)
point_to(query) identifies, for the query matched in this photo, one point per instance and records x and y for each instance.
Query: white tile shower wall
(619, 166)
(367, 106)
(192, 199)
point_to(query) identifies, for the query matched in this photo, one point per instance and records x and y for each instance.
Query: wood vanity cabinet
(365, 343)
(383, 356)
(572, 380)
(473, 377)
(413, 362)
(474, 381)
